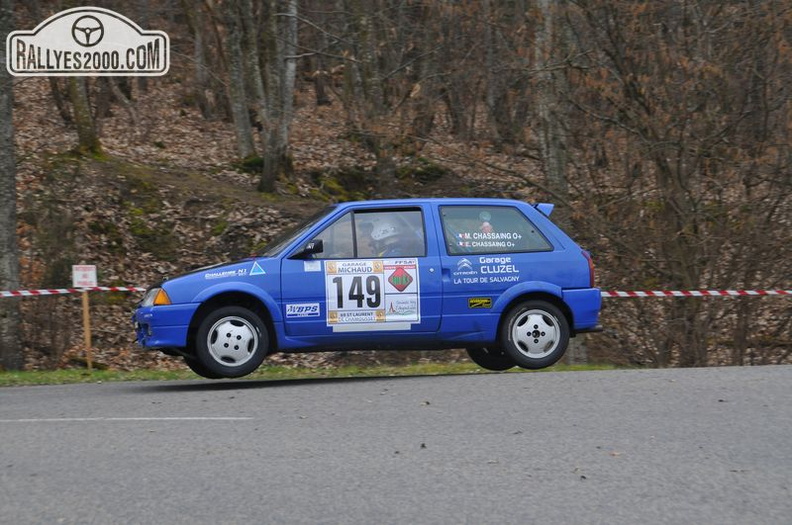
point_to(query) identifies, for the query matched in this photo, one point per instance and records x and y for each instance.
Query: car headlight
(155, 297)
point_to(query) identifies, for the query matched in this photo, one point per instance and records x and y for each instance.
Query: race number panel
(376, 294)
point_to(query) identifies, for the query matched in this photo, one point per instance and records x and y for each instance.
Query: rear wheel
(231, 341)
(491, 358)
(535, 334)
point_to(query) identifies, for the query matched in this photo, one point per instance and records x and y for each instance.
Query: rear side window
(490, 229)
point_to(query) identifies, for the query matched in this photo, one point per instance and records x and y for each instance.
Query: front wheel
(196, 366)
(535, 334)
(231, 342)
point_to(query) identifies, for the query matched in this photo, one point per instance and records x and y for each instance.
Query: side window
(337, 240)
(391, 233)
(489, 229)
(373, 234)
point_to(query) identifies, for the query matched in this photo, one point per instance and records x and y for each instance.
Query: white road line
(119, 419)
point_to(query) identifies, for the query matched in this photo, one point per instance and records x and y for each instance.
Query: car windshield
(279, 242)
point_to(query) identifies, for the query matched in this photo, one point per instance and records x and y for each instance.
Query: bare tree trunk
(503, 90)
(352, 92)
(87, 137)
(236, 81)
(280, 73)
(142, 18)
(456, 84)
(251, 29)
(125, 101)
(490, 77)
(60, 101)
(552, 136)
(321, 75)
(425, 91)
(457, 113)
(277, 159)
(194, 12)
(289, 64)
(10, 349)
(374, 105)
(551, 132)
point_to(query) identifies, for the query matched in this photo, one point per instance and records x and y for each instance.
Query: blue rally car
(494, 276)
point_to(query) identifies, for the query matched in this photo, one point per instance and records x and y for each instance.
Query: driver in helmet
(388, 240)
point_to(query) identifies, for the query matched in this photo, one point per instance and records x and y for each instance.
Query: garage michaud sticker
(87, 41)
(372, 294)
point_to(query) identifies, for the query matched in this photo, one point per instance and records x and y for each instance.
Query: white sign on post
(84, 276)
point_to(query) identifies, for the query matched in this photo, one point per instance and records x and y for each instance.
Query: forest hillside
(661, 131)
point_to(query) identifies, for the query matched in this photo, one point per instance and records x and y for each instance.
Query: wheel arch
(538, 296)
(232, 298)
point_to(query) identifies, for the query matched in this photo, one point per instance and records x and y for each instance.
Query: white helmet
(383, 230)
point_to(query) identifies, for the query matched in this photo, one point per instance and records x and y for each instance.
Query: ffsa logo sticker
(87, 41)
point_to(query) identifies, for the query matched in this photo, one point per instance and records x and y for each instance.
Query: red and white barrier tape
(63, 291)
(696, 293)
(644, 293)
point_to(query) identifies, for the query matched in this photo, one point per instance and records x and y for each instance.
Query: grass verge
(265, 373)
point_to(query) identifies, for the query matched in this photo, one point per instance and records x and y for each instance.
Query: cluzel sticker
(490, 270)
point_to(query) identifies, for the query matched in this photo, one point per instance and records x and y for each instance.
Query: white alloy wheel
(232, 341)
(535, 334)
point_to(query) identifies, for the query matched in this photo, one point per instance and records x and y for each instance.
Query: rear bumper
(597, 328)
(585, 304)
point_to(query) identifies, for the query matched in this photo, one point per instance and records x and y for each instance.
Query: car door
(362, 281)
(488, 249)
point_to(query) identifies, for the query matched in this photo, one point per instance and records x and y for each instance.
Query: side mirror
(310, 248)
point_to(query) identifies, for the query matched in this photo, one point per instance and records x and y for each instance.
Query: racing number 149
(372, 295)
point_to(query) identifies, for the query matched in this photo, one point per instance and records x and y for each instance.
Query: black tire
(491, 358)
(231, 341)
(198, 368)
(535, 334)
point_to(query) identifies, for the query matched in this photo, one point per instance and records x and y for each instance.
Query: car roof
(434, 200)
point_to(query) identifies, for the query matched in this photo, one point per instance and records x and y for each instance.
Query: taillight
(587, 255)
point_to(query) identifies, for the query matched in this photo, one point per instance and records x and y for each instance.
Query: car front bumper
(163, 326)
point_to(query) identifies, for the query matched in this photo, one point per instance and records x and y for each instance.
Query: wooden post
(84, 276)
(87, 330)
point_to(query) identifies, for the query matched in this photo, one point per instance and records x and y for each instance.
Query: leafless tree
(84, 118)
(10, 355)
(279, 49)
(682, 153)
(237, 92)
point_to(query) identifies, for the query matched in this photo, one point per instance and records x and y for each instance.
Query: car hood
(253, 270)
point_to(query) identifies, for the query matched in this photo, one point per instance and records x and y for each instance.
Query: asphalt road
(614, 447)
